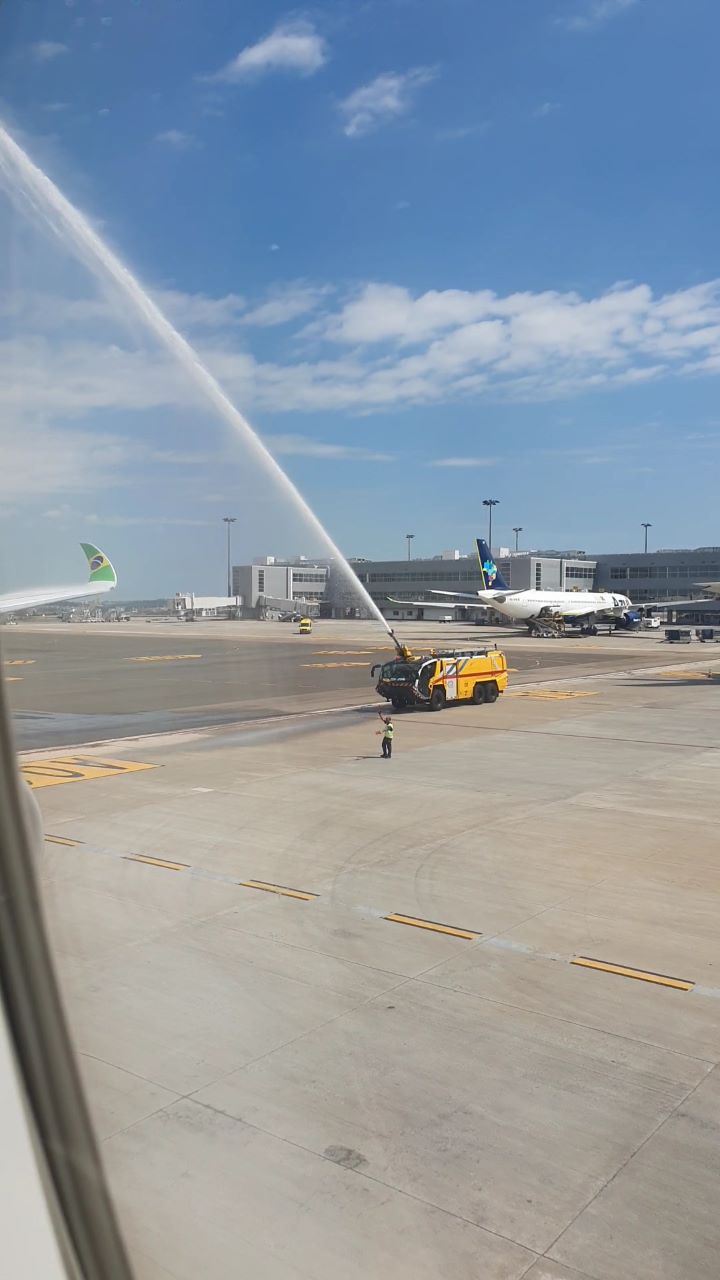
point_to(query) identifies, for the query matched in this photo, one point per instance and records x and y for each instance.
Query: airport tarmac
(93, 682)
(455, 1013)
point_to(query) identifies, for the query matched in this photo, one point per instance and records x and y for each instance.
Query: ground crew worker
(387, 735)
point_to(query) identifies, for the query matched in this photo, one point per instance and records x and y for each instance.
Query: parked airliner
(533, 607)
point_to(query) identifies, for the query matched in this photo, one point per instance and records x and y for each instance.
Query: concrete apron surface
(515, 1076)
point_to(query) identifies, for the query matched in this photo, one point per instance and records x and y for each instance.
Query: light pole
(517, 530)
(409, 537)
(646, 525)
(228, 520)
(490, 503)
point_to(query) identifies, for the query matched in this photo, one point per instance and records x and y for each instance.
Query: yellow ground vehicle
(305, 626)
(432, 680)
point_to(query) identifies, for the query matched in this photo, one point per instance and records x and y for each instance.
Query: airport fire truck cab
(434, 679)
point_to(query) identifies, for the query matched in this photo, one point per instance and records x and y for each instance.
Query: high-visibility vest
(388, 731)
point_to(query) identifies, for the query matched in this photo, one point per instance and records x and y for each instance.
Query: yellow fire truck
(432, 680)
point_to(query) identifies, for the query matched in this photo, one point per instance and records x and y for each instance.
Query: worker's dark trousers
(387, 747)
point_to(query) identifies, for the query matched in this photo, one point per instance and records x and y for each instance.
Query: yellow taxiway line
(549, 695)
(348, 653)
(433, 925)
(165, 657)
(642, 975)
(324, 666)
(71, 844)
(278, 888)
(157, 862)
(685, 675)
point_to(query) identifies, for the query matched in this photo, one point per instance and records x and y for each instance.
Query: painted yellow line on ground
(71, 844)
(326, 666)
(165, 657)
(282, 889)
(551, 694)
(19, 662)
(686, 675)
(642, 975)
(13, 679)
(54, 770)
(157, 862)
(433, 925)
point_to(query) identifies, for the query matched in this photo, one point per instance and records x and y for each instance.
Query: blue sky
(437, 250)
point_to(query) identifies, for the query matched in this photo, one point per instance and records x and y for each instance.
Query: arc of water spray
(23, 179)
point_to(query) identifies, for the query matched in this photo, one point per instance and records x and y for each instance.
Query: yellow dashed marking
(71, 844)
(550, 694)
(346, 653)
(278, 888)
(325, 666)
(165, 657)
(157, 862)
(58, 769)
(686, 675)
(19, 662)
(13, 679)
(433, 925)
(642, 975)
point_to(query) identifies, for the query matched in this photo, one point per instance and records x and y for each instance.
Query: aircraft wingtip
(101, 569)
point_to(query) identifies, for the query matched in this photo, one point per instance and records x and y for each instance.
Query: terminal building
(664, 575)
(273, 585)
(644, 577)
(417, 579)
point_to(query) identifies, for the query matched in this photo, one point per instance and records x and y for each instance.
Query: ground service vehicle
(305, 626)
(432, 680)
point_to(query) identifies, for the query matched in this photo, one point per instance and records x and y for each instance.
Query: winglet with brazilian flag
(101, 569)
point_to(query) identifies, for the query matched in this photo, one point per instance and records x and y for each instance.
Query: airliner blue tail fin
(492, 579)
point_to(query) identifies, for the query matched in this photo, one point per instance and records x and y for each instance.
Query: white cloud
(286, 303)
(464, 462)
(595, 13)
(304, 447)
(47, 50)
(198, 311)
(47, 461)
(65, 514)
(385, 98)
(462, 131)
(176, 138)
(386, 311)
(545, 109)
(290, 46)
(65, 365)
(49, 312)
